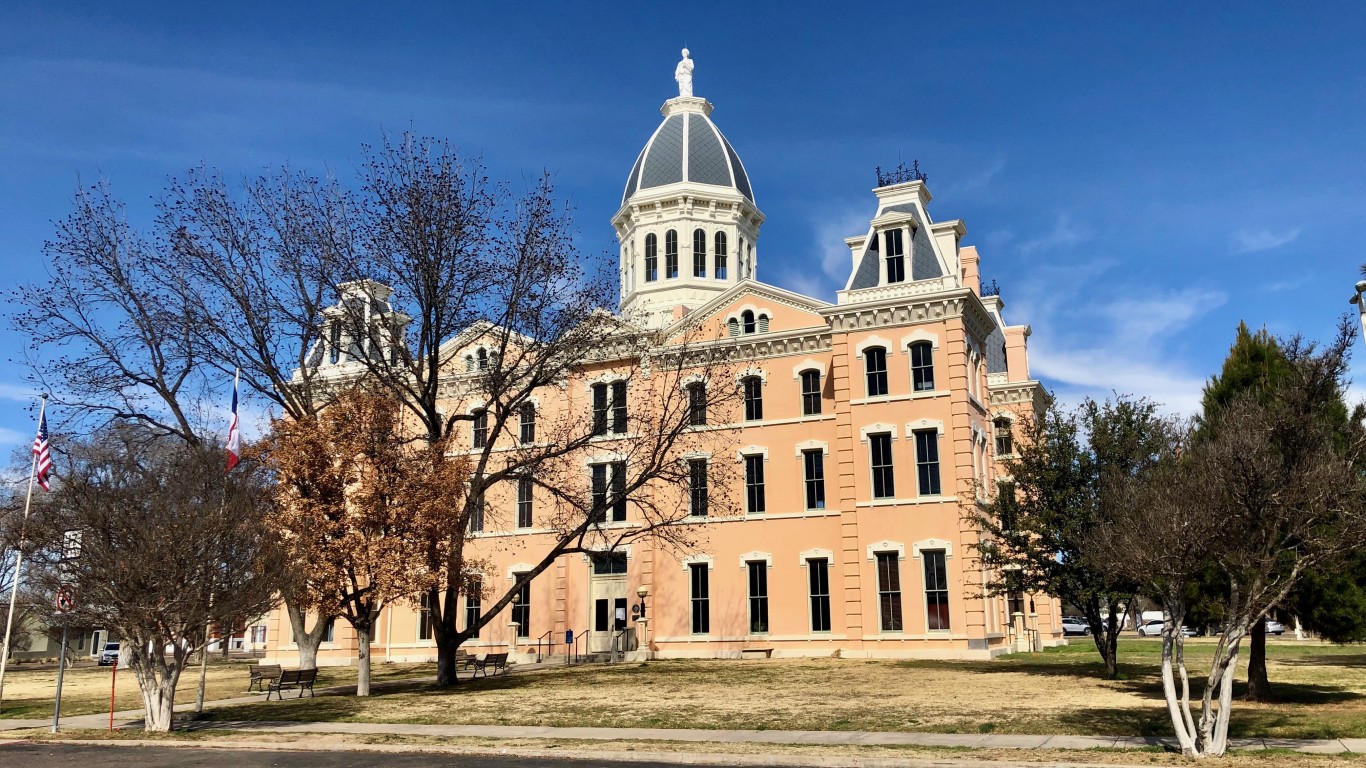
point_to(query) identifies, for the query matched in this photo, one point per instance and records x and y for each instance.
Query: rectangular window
(424, 619)
(875, 362)
(599, 409)
(697, 404)
(936, 590)
(527, 431)
(619, 407)
(524, 489)
(811, 393)
(927, 461)
(521, 608)
(818, 574)
(889, 591)
(476, 523)
(1005, 440)
(813, 462)
(697, 487)
(896, 258)
(609, 563)
(599, 483)
(701, 598)
(618, 491)
(922, 367)
(330, 634)
(758, 597)
(754, 484)
(334, 342)
(474, 605)
(481, 429)
(880, 453)
(754, 398)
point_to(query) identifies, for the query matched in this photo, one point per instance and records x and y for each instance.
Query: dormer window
(895, 256)
(334, 342)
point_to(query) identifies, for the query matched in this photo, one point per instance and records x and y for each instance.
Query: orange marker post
(113, 680)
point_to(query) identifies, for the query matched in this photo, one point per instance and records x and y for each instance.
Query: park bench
(766, 653)
(464, 660)
(498, 661)
(290, 679)
(263, 674)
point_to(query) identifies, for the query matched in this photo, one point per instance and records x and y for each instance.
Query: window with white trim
(474, 605)
(818, 580)
(927, 461)
(671, 254)
(699, 253)
(896, 256)
(1005, 437)
(697, 404)
(697, 487)
(813, 470)
(524, 497)
(480, 426)
(720, 271)
(811, 392)
(758, 596)
(521, 607)
(922, 367)
(875, 365)
(936, 590)
(424, 617)
(526, 414)
(889, 591)
(700, 590)
(754, 483)
(754, 398)
(651, 258)
(880, 458)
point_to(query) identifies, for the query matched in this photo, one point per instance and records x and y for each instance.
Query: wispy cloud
(828, 233)
(10, 437)
(1251, 240)
(1064, 234)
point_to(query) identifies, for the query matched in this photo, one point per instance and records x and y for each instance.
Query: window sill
(900, 502)
(925, 395)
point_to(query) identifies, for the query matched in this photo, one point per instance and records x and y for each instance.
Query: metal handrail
(577, 638)
(545, 637)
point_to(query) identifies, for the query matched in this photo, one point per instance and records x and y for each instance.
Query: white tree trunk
(156, 683)
(363, 661)
(1178, 708)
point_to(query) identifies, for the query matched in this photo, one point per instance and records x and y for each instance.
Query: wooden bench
(766, 653)
(263, 674)
(464, 660)
(498, 661)
(290, 679)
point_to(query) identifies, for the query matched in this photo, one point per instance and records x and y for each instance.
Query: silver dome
(688, 144)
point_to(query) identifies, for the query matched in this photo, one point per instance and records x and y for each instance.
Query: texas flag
(234, 430)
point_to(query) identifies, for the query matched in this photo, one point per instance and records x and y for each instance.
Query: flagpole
(19, 560)
(208, 625)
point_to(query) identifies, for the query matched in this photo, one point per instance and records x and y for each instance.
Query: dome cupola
(687, 222)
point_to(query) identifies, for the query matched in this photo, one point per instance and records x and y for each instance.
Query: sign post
(113, 681)
(66, 600)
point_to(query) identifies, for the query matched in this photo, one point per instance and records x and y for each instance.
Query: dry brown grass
(1322, 689)
(85, 690)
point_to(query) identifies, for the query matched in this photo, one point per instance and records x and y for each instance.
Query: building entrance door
(607, 601)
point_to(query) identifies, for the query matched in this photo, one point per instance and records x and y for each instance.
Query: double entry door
(610, 611)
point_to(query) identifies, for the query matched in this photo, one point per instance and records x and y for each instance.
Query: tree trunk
(363, 659)
(447, 639)
(1258, 686)
(307, 641)
(1180, 720)
(156, 683)
(1105, 634)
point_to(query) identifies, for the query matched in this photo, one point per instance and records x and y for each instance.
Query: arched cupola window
(671, 254)
(651, 258)
(747, 320)
(719, 272)
(699, 253)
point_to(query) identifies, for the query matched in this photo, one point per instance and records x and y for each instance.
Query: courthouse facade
(865, 427)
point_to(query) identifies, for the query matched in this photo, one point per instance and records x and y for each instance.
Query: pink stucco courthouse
(865, 426)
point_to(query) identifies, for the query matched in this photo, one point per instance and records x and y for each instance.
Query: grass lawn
(1321, 690)
(85, 689)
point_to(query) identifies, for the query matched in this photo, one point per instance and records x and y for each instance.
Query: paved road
(31, 755)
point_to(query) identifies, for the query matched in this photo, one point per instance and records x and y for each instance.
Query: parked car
(1274, 627)
(1153, 628)
(1075, 625)
(109, 655)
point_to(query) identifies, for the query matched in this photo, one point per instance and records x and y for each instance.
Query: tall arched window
(875, 364)
(671, 254)
(699, 253)
(697, 404)
(922, 367)
(754, 398)
(651, 258)
(720, 271)
(747, 320)
(483, 357)
(811, 392)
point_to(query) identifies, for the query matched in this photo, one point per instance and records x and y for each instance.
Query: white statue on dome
(683, 74)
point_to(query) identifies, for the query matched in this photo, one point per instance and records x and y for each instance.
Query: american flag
(42, 465)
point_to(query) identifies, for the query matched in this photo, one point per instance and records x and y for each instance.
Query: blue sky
(1137, 178)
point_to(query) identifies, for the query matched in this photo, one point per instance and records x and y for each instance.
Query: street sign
(66, 599)
(569, 637)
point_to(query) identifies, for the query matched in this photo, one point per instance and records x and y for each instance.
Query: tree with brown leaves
(357, 506)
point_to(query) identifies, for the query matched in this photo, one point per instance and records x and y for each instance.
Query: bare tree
(169, 546)
(471, 268)
(1270, 492)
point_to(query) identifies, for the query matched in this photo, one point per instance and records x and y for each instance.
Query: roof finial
(683, 74)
